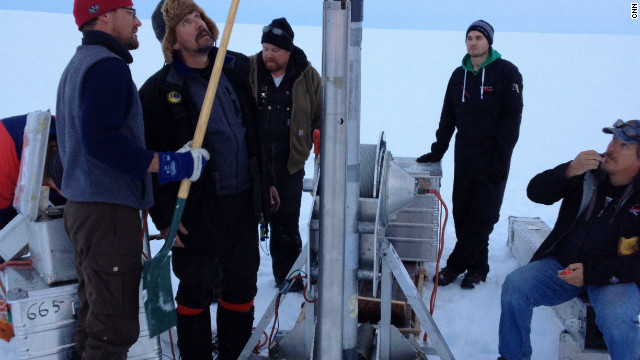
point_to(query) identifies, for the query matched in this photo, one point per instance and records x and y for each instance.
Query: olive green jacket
(306, 112)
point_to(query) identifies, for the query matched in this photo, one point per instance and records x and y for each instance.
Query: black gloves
(429, 157)
(498, 173)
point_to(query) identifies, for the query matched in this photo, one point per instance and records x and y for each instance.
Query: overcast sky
(547, 16)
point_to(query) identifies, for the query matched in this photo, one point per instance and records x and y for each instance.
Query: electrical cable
(443, 225)
(275, 318)
(261, 345)
(283, 291)
(304, 294)
(21, 264)
(173, 352)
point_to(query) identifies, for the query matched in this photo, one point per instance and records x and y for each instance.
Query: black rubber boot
(194, 336)
(446, 276)
(234, 330)
(471, 279)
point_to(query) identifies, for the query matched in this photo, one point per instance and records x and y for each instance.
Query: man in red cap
(106, 179)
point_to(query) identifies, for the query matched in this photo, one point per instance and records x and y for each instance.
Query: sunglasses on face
(627, 129)
(276, 31)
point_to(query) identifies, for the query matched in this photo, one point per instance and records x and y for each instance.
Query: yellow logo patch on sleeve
(628, 246)
(174, 97)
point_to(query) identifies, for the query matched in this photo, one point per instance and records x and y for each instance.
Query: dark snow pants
(285, 242)
(476, 209)
(107, 239)
(237, 252)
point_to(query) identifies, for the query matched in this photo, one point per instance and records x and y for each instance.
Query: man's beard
(131, 43)
(204, 48)
(272, 66)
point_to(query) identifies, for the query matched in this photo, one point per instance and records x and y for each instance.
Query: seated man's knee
(511, 287)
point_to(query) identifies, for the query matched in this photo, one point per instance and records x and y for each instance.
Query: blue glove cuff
(174, 166)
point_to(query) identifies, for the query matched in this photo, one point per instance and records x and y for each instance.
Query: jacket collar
(597, 177)
(297, 63)
(184, 70)
(101, 38)
(493, 56)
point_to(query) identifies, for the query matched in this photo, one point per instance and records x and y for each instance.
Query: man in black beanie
(483, 103)
(280, 74)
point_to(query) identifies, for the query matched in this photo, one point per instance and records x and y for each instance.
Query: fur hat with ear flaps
(173, 11)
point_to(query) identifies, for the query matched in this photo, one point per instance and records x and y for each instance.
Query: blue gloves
(186, 163)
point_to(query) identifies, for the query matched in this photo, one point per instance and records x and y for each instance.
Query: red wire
(17, 263)
(275, 318)
(260, 345)
(304, 294)
(173, 352)
(432, 302)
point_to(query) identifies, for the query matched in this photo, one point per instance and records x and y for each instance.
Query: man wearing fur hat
(106, 176)
(483, 103)
(221, 215)
(289, 96)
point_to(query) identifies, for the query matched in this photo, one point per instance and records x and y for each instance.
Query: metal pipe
(333, 175)
(366, 337)
(352, 240)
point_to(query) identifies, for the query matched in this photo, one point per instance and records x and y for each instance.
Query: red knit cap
(85, 10)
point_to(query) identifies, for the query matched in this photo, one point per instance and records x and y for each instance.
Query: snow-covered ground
(574, 84)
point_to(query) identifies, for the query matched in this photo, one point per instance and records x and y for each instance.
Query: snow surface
(574, 84)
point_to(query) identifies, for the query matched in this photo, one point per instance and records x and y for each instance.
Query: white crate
(13, 238)
(413, 229)
(569, 350)
(44, 318)
(50, 249)
(525, 236)
(28, 192)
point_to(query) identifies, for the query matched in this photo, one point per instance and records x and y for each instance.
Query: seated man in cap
(592, 249)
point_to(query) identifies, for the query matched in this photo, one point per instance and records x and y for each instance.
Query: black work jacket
(170, 117)
(619, 263)
(487, 121)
